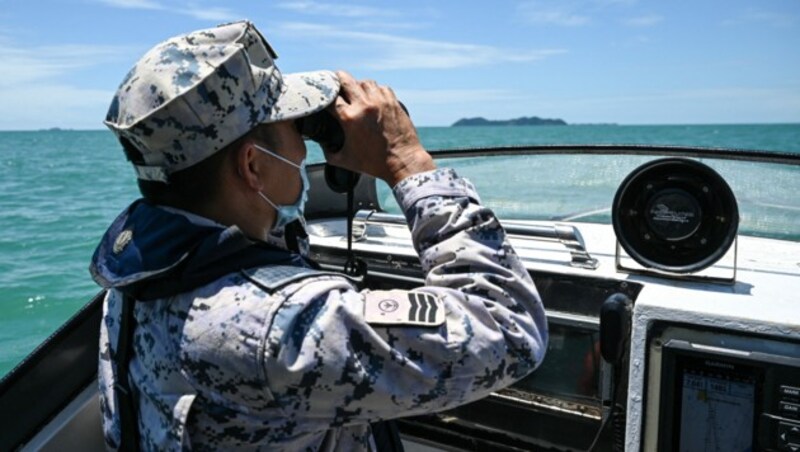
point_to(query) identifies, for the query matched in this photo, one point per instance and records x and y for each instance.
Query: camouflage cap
(193, 94)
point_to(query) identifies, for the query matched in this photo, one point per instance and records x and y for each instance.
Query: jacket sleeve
(326, 365)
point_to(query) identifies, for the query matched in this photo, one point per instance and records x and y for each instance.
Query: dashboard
(711, 358)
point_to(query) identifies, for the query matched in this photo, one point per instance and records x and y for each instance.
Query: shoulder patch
(400, 307)
(273, 277)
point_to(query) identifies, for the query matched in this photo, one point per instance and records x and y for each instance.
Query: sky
(584, 61)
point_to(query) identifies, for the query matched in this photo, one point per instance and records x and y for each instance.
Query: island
(523, 121)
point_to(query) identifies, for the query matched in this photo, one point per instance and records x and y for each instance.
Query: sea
(60, 189)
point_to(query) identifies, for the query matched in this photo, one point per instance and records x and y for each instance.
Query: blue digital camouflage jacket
(279, 357)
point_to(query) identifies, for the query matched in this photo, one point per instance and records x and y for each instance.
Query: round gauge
(676, 215)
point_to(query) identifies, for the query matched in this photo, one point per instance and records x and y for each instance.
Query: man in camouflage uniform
(237, 343)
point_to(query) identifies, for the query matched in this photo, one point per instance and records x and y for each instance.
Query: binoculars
(323, 128)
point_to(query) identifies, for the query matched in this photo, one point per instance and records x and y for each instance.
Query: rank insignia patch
(398, 307)
(123, 239)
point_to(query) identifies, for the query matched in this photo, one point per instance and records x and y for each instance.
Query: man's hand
(380, 139)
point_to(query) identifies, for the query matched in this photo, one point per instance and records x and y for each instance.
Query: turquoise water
(59, 190)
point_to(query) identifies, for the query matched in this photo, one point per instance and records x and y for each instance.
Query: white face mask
(288, 213)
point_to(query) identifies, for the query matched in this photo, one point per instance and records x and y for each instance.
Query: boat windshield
(580, 187)
(574, 184)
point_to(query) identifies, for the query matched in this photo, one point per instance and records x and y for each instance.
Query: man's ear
(249, 166)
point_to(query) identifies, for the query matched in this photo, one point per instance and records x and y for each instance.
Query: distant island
(523, 121)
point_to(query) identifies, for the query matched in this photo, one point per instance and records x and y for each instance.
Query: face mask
(288, 213)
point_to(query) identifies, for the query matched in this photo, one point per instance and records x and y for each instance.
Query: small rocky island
(523, 121)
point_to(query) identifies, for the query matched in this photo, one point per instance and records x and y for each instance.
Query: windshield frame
(777, 157)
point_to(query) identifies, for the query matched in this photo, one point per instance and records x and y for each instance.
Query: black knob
(615, 327)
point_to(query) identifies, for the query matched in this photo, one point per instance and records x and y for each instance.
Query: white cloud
(643, 21)
(335, 9)
(454, 96)
(33, 85)
(22, 65)
(761, 17)
(615, 2)
(197, 11)
(389, 52)
(209, 13)
(576, 13)
(385, 26)
(134, 4)
(567, 14)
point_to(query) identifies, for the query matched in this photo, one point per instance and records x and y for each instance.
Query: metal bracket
(571, 237)
(567, 235)
(680, 276)
(360, 221)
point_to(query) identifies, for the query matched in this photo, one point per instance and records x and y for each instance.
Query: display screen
(573, 366)
(717, 411)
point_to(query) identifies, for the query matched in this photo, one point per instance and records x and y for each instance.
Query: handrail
(566, 234)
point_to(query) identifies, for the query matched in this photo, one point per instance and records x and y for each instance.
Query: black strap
(129, 423)
(353, 266)
(386, 436)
